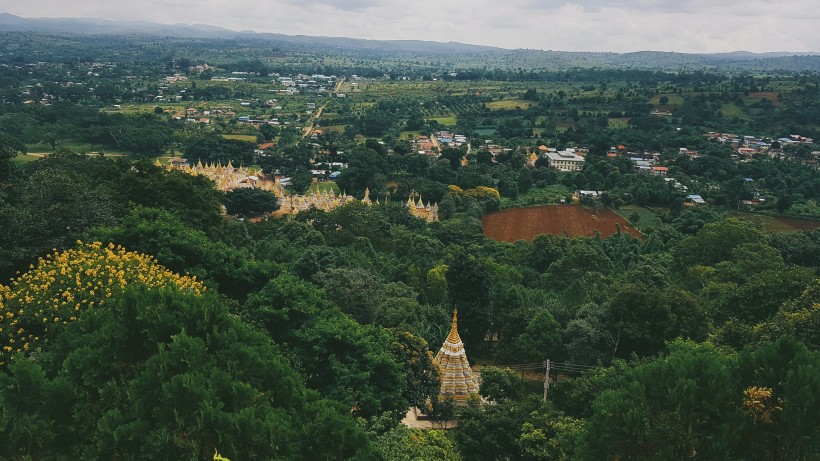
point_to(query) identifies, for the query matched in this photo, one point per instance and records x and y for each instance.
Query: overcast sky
(582, 25)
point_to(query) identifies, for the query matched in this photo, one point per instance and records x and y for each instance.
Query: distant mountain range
(739, 60)
(91, 26)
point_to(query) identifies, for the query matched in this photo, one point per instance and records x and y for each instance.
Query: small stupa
(457, 380)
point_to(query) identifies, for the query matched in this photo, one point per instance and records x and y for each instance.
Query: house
(660, 170)
(565, 160)
(588, 193)
(674, 182)
(695, 200)
(750, 204)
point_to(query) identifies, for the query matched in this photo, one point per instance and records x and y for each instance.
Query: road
(316, 115)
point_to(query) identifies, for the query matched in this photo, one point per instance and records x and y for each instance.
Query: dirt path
(309, 127)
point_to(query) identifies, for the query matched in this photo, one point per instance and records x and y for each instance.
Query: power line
(549, 366)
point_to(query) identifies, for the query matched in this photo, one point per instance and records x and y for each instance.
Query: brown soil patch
(778, 223)
(800, 224)
(577, 221)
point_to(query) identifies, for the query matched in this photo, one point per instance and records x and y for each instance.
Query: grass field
(21, 159)
(28, 158)
(731, 110)
(486, 131)
(74, 146)
(405, 135)
(536, 196)
(574, 220)
(674, 99)
(241, 137)
(621, 122)
(647, 219)
(508, 104)
(334, 128)
(446, 121)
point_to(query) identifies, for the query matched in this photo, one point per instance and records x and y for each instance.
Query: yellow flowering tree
(478, 192)
(63, 284)
(759, 405)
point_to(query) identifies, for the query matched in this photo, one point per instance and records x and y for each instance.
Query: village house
(565, 160)
(695, 200)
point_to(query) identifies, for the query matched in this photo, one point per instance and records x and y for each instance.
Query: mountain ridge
(526, 58)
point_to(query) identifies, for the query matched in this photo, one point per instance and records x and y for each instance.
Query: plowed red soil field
(525, 223)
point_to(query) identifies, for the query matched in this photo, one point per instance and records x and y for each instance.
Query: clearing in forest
(577, 221)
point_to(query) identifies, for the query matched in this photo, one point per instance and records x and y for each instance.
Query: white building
(565, 160)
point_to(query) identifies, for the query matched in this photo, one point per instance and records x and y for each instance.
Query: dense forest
(147, 314)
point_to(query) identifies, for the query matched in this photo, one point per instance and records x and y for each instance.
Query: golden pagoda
(457, 380)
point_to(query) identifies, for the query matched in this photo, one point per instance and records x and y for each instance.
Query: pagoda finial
(453, 337)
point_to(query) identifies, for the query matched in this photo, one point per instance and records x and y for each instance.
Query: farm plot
(577, 221)
(777, 223)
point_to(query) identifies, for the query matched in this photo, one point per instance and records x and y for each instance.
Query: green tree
(500, 385)
(715, 242)
(454, 156)
(470, 291)
(798, 318)
(405, 444)
(340, 358)
(9, 148)
(489, 432)
(301, 179)
(644, 319)
(786, 423)
(420, 370)
(541, 338)
(184, 249)
(245, 201)
(157, 363)
(549, 435)
(357, 292)
(57, 206)
(192, 198)
(675, 407)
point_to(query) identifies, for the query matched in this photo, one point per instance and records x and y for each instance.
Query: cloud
(341, 5)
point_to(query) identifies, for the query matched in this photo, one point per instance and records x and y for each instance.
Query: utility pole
(546, 378)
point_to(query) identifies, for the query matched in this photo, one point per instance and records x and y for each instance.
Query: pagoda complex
(419, 209)
(457, 379)
(227, 177)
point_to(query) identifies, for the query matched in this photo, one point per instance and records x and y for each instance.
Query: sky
(696, 26)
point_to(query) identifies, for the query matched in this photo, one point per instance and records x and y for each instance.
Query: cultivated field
(777, 223)
(526, 223)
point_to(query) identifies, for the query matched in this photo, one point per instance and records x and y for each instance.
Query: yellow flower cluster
(63, 284)
(478, 192)
(759, 405)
